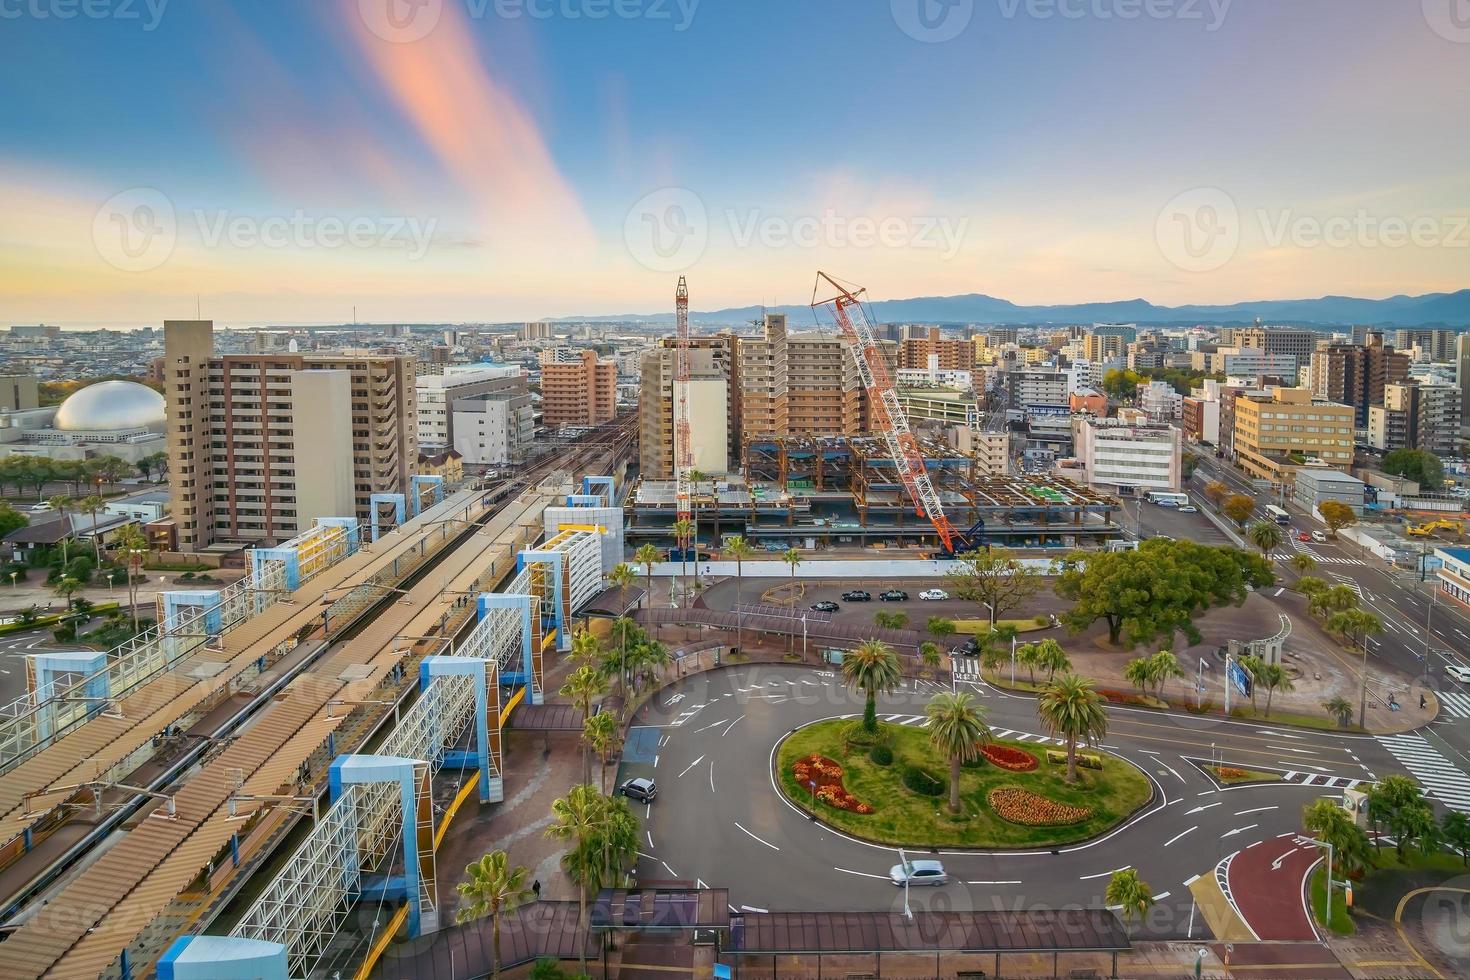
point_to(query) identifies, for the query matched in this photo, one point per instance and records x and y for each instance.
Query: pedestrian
(536, 888)
(1422, 703)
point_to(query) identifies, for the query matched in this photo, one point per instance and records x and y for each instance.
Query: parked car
(1459, 672)
(970, 648)
(933, 595)
(826, 605)
(1189, 509)
(894, 595)
(856, 595)
(917, 873)
(640, 789)
(1319, 537)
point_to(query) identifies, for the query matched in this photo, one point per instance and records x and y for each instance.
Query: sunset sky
(428, 160)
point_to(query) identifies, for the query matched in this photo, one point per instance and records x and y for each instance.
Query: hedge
(924, 783)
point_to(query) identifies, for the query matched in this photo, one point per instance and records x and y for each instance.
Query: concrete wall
(321, 421)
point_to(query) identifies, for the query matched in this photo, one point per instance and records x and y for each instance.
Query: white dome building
(109, 418)
(111, 406)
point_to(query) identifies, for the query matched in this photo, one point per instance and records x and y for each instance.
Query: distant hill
(1433, 309)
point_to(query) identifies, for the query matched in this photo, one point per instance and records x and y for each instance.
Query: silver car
(917, 873)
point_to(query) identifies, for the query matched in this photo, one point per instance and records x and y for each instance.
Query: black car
(640, 789)
(971, 648)
(826, 605)
(894, 595)
(857, 595)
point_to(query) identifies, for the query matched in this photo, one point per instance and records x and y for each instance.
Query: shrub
(1015, 805)
(19, 570)
(65, 633)
(924, 783)
(1084, 761)
(186, 577)
(1127, 697)
(1041, 620)
(881, 755)
(1013, 759)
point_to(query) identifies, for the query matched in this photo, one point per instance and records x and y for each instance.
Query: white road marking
(1259, 809)
(1199, 809)
(708, 727)
(711, 775)
(672, 873)
(752, 908)
(863, 874)
(692, 765)
(1238, 830)
(992, 882)
(650, 840)
(1161, 896)
(755, 838)
(1177, 836)
(1105, 873)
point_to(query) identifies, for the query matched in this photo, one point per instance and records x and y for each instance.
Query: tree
(157, 461)
(1328, 822)
(61, 503)
(1069, 708)
(492, 886)
(92, 503)
(695, 478)
(1163, 667)
(1303, 563)
(1239, 508)
(873, 669)
(1424, 468)
(603, 834)
(11, 519)
(111, 469)
(1273, 677)
(1050, 657)
(622, 576)
(1331, 600)
(940, 626)
(1252, 665)
(1139, 673)
(1336, 515)
(957, 730)
(739, 549)
(1340, 708)
(1357, 625)
(1130, 892)
(996, 578)
(1309, 585)
(647, 555)
(930, 654)
(601, 733)
(1216, 493)
(582, 686)
(885, 620)
(792, 558)
(587, 648)
(1266, 535)
(1454, 827)
(66, 588)
(682, 529)
(132, 545)
(648, 661)
(1389, 796)
(1121, 384)
(1026, 655)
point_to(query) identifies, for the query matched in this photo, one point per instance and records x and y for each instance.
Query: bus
(1278, 515)
(1168, 499)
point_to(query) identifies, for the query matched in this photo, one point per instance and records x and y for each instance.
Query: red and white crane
(683, 443)
(847, 310)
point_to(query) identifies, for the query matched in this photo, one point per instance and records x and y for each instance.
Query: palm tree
(1358, 625)
(492, 887)
(957, 729)
(1338, 598)
(885, 620)
(1139, 672)
(1267, 536)
(1272, 677)
(585, 819)
(1454, 827)
(622, 576)
(132, 544)
(1163, 666)
(66, 588)
(695, 476)
(1069, 708)
(1026, 655)
(1252, 666)
(61, 503)
(648, 661)
(1050, 657)
(682, 530)
(1303, 563)
(582, 686)
(92, 503)
(930, 654)
(1340, 708)
(601, 733)
(1129, 891)
(1327, 821)
(586, 647)
(647, 555)
(792, 558)
(739, 549)
(873, 669)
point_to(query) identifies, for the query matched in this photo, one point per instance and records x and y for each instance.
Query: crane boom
(683, 442)
(903, 447)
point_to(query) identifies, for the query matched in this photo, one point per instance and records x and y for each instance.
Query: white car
(918, 873)
(1459, 672)
(1189, 509)
(933, 595)
(41, 508)
(1319, 537)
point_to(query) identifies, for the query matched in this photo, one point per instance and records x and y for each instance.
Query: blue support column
(530, 657)
(46, 667)
(352, 526)
(416, 486)
(260, 557)
(556, 562)
(484, 674)
(176, 603)
(590, 483)
(400, 511)
(222, 958)
(412, 777)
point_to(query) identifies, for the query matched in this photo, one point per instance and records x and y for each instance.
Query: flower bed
(827, 774)
(1016, 805)
(1127, 697)
(1230, 772)
(1006, 757)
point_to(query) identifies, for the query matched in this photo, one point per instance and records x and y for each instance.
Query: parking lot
(1179, 526)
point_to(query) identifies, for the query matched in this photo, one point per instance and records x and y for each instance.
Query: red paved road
(1266, 884)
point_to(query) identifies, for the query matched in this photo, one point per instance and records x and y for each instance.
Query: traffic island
(1015, 797)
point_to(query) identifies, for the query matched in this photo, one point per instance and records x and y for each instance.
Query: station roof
(1039, 931)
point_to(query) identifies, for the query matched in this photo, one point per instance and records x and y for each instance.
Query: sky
(497, 160)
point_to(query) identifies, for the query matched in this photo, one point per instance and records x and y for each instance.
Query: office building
(1315, 485)
(583, 393)
(1355, 375)
(1433, 345)
(1127, 332)
(1280, 428)
(1161, 401)
(19, 393)
(1246, 362)
(261, 445)
(1040, 390)
(1294, 342)
(493, 427)
(1129, 459)
(438, 393)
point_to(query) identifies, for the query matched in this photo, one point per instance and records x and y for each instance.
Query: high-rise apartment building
(1276, 429)
(714, 407)
(260, 445)
(19, 393)
(1434, 345)
(438, 393)
(954, 355)
(1462, 374)
(1293, 341)
(799, 384)
(1100, 348)
(580, 393)
(1416, 416)
(1355, 375)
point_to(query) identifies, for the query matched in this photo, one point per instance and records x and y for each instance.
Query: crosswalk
(1322, 559)
(1454, 703)
(1441, 779)
(966, 668)
(1322, 779)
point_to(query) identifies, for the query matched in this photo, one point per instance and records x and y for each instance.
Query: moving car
(971, 648)
(1189, 509)
(856, 595)
(1319, 537)
(41, 508)
(917, 873)
(933, 595)
(894, 595)
(640, 789)
(826, 605)
(1303, 536)
(1459, 672)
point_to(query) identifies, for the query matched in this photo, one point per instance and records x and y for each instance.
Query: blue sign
(1240, 679)
(722, 972)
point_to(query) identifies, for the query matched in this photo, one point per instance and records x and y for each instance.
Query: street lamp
(1321, 843)
(13, 576)
(803, 636)
(903, 863)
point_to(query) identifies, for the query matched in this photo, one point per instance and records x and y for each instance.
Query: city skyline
(491, 161)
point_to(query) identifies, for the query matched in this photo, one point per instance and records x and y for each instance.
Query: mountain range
(1432, 309)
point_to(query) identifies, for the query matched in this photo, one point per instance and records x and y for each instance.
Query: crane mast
(683, 443)
(903, 447)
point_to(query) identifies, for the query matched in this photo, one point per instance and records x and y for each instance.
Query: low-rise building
(1280, 429)
(1161, 401)
(1454, 574)
(1315, 485)
(1129, 458)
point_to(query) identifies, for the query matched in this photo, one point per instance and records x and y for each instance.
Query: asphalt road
(720, 819)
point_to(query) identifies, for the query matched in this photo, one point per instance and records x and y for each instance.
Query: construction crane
(683, 443)
(847, 310)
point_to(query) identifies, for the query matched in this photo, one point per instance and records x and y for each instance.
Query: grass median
(904, 817)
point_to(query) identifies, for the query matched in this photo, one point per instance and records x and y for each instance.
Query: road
(709, 743)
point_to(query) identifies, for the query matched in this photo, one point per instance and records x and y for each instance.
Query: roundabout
(714, 743)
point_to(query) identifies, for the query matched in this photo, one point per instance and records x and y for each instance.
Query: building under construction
(846, 492)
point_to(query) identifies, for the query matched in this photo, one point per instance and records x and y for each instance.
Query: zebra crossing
(1322, 779)
(1454, 703)
(966, 668)
(1322, 559)
(1441, 779)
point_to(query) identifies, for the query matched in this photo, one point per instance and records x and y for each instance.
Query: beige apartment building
(581, 392)
(953, 355)
(714, 394)
(260, 445)
(1276, 430)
